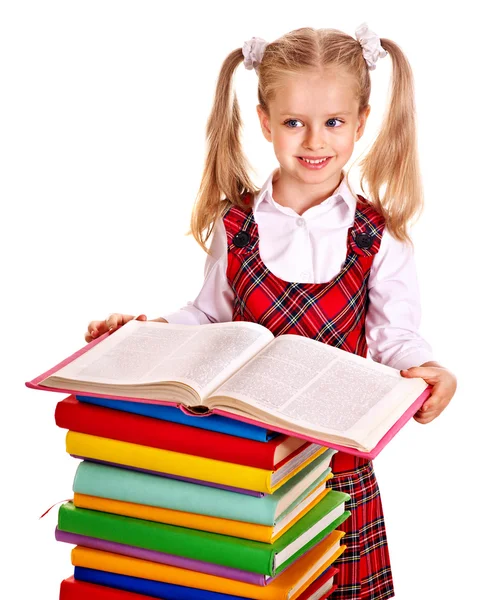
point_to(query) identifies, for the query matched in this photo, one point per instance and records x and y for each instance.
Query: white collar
(343, 192)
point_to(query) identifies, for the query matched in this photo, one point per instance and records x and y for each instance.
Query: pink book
(239, 370)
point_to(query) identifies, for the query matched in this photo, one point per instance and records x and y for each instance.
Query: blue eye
(292, 121)
(289, 123)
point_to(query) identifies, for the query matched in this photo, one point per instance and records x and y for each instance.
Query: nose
(314, 139)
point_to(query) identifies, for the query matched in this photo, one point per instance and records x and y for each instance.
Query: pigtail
(392, 162)
(225, 174)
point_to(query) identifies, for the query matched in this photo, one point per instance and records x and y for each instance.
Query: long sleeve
(214, 303)
(394, 313)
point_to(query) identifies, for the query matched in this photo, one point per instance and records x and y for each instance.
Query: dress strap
(241, 229)
(365, 235)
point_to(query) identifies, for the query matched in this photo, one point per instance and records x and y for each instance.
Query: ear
(362, 122)
(265, 123)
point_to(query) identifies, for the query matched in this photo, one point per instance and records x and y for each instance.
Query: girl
(304, 254)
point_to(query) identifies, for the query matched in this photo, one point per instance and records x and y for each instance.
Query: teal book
(247, 555)
(115, 483)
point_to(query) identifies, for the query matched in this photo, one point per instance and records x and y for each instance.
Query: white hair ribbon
(371, 45)
(253, 51)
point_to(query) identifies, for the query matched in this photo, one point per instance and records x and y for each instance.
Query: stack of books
(201, 509)
(218, 510)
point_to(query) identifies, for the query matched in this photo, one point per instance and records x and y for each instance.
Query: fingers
(427, 416)
(423, 372)
(427, 413)
(431, 409)
(424, 419)
(116, 320)
(97, 328)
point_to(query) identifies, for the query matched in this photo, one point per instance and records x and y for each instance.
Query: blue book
(148, 587)
(174, 414)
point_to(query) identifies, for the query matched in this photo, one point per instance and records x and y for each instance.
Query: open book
(291, 383)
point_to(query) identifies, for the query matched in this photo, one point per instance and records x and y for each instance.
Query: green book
(247, 555)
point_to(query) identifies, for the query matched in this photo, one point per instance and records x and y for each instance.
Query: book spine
(126, 485)
(137, 429)
(166, 461)
(208, 547)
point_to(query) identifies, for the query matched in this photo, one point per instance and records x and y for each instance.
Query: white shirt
(312, 249)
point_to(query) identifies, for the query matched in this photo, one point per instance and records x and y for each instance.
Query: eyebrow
(286, 113)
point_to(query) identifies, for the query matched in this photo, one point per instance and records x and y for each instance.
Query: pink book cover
(409, 413)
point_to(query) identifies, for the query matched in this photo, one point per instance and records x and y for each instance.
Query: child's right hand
(112, 322)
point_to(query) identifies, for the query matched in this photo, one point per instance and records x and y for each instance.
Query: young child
(304, 254)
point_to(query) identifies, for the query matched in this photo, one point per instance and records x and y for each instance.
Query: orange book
(288, 585)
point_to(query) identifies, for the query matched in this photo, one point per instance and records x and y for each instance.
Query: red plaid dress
(334, 313)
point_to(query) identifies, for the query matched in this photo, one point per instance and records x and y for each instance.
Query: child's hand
(444, 385)
(111, 323)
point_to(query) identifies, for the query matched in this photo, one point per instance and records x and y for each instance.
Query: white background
(103, 107)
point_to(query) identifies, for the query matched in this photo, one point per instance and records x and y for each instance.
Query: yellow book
(188, 465)
(241, 529)
(286, 586)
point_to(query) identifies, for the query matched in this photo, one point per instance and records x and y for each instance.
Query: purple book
(169, 476)
(160, 557)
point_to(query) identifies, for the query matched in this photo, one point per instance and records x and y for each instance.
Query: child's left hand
(444, 385)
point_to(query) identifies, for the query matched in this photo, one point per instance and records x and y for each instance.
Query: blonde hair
(392, 161)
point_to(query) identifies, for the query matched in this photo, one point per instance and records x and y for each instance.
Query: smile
(314, 163)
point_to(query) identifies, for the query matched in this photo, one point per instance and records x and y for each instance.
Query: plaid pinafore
(334, 313)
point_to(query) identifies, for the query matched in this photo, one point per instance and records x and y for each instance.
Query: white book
(291, 382)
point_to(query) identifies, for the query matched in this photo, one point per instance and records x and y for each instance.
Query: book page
(138, 353)
(317, 386)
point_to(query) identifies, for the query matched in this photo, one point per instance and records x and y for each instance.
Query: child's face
(306, 120)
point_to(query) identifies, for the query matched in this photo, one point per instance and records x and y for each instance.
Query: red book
(146, 431)
(319, 583)
(72, 589)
